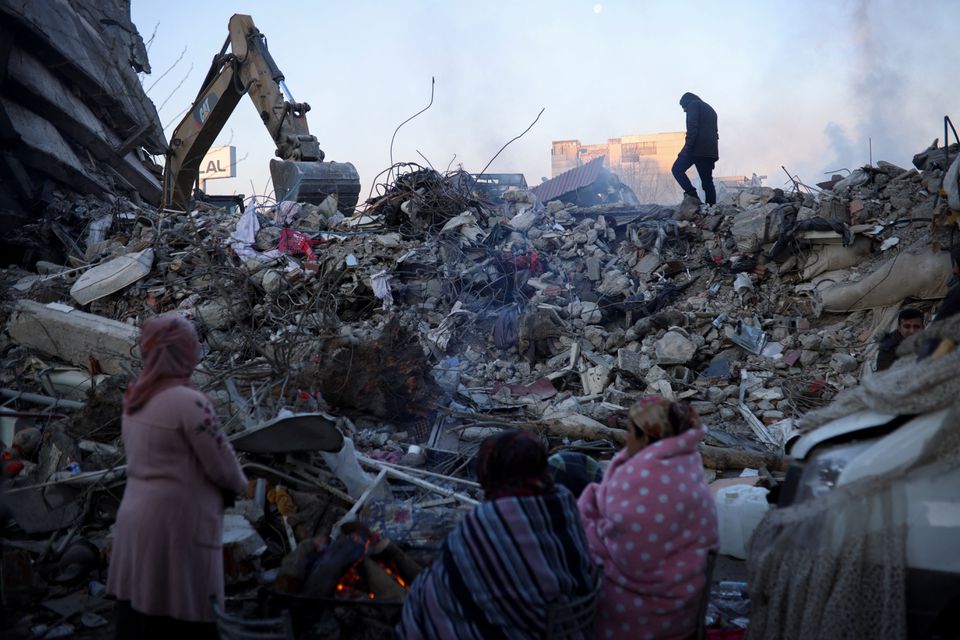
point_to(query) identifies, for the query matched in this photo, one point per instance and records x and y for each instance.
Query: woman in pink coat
(167, 558)
(650, 523)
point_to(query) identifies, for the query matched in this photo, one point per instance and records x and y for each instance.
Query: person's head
(688, 98)
(909, 322)
(169, 350)
(574, 470)
(654, 418)
(513, 464)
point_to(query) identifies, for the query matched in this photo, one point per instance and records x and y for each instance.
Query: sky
(805, 84)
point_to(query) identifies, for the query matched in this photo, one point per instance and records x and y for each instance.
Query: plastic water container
(739, 510)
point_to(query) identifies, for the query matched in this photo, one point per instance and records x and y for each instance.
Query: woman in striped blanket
(515, 554)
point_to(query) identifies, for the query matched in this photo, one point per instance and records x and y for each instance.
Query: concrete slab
(73, 336)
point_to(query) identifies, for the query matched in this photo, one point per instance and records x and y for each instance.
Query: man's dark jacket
(701, 127)
(887, 354)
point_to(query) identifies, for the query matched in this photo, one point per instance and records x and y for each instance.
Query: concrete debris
(74, 107)
(355, 361)
(431, 320)
(674, 348)
(73, 336)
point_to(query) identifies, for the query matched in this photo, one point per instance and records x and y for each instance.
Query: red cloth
(527, 261)
(167, 557)
(170, 352)
(296, 243)
(11, 463)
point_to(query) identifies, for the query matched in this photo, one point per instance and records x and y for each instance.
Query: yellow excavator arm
(300, 174)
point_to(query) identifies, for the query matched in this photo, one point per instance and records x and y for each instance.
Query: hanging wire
(394, 136)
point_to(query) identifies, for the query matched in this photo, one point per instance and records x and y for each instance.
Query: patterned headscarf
(660, 418)
(170, 351)
(513, 464)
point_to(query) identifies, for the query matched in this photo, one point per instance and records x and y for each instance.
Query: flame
(351, 585)
(395, 576)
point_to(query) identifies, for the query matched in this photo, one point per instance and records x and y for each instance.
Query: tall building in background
(641, 161)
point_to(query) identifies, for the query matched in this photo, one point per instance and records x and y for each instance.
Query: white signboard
(220, 162)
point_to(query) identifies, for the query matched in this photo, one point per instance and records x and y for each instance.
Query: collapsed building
(73, 116)
(357, 359)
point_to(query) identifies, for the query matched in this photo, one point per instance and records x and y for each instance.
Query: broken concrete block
(771, 416)
(703, 408)
(272, 281)
(843, 362)
(766, 394)
(674, 348)
(751, 227)
(74, 336)
(648, 264)
(716, 394)
(595, 380)
(615, 283)
(629, 360)
(588, 312)
(663, 388)
(214, 313)
(593, 269)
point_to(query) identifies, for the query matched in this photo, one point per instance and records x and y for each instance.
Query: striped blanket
(499, 569)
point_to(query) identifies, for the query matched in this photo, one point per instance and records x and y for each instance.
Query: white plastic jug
(739, 510)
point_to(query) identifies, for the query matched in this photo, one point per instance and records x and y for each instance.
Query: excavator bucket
(313, 181)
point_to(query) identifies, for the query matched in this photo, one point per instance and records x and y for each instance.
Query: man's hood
(687, 99)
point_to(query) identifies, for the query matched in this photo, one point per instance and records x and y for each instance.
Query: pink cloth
(170, 351)
(650, 524)
(167, 555)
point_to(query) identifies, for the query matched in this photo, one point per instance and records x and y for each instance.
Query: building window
(631, 152)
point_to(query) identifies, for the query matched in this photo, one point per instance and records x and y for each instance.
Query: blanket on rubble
(500, 569)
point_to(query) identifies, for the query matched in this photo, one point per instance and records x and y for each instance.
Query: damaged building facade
(357, 358)
(642, 162)
(74, 117)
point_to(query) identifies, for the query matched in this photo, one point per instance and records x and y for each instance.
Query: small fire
(352, 587)
(393, 574)
(349, 585)
(356, 583)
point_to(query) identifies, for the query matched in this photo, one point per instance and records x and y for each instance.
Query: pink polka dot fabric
(650, 524)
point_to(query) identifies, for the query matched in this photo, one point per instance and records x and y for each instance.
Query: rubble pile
(434, 317)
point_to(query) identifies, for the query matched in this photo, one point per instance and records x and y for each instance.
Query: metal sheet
(299, 432)
(568, 181)
(840, 427)
(43, 509)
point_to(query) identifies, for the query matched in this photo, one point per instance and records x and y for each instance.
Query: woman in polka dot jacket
(650, 523)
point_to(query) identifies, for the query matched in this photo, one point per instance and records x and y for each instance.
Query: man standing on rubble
(700, 149)
(909, 322)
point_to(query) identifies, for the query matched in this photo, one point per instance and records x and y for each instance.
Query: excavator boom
(300, 174)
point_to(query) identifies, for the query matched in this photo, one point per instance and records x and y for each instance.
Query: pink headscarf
(170, 351)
